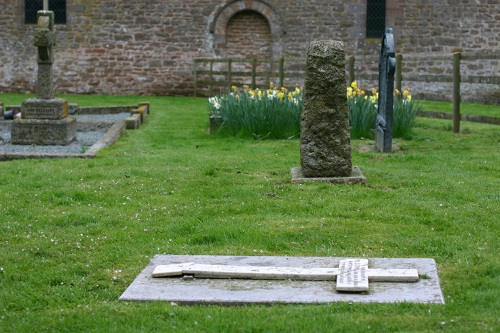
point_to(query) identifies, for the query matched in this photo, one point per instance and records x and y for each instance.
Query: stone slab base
(356, 177)
(43, 131)
(240, 291)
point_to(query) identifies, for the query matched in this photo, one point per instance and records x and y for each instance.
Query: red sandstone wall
(147, 46)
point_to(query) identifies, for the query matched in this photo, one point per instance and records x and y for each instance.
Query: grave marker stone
(325, 144)
(352, 274)
(201, 279)
(45, 118)
(387, 67)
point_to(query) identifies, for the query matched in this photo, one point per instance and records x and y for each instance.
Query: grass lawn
(74, 233)
(465, 108)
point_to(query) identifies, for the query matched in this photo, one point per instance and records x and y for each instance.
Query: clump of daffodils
(363, 111)
(273, 112)
(354, 92)
(404, 96)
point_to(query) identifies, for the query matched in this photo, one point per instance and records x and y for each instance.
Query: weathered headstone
(325, 147)
(387, 67)
(45, 118)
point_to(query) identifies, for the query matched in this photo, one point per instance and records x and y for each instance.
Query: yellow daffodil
(349, 92)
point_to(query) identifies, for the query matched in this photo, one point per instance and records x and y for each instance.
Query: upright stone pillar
(325, 145)
(45, 119)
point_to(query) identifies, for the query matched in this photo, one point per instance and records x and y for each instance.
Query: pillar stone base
(43, 131)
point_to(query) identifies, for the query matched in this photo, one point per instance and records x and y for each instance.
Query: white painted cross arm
(352, 274)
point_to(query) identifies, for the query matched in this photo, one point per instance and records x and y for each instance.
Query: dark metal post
(387, 67)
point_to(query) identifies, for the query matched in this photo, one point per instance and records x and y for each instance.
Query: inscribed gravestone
(404, 276)
(325, 148)
(387, 67)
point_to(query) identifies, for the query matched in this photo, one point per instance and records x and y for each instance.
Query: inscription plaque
(35, 108)
(353, 275)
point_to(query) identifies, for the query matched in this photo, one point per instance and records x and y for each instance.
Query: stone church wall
(148, 46)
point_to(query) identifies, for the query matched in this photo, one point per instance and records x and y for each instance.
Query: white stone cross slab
(352, 275)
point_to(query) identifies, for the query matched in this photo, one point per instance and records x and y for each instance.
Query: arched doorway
(256, 11)
(246, 29)
(248, 35)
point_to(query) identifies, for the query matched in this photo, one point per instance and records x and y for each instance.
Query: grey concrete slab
(239, 291)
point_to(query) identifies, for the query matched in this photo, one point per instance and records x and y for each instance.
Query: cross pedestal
(352, 275)
(45, 119)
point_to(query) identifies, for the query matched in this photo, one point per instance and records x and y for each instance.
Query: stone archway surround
(220, 17)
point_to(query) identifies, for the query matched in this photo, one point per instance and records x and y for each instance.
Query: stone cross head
(44, 37)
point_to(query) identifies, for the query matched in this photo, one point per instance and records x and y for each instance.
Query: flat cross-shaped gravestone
(201, 279)
(352, 274)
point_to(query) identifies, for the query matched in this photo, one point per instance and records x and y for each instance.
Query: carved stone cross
(44, 39)
(352, 275)
(387, 67)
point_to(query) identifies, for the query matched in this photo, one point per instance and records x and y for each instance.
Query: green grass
(465, 108)
(74, 233)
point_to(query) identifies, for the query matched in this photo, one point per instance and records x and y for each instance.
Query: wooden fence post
(210, 80)
(456, 92)
(399, 75)
(282, 71)
(195, 79)
(229, 73)
(350, 66)
(254, 70)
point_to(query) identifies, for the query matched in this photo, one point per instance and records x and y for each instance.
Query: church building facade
(148, 46)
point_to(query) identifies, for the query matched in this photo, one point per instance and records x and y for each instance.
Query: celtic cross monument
(45, 119)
